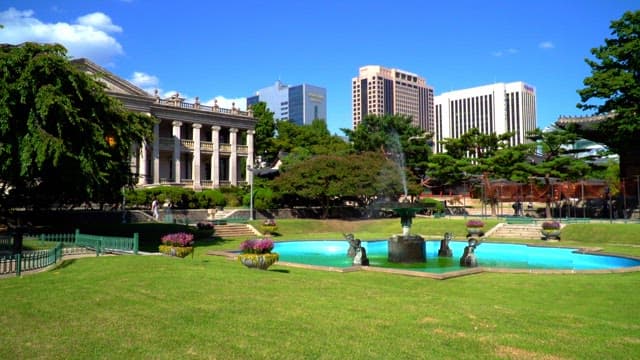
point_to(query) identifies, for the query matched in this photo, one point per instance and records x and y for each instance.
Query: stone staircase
(236, 231)
(515, 231)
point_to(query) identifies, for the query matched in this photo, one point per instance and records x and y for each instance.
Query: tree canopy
(613, 89)
(331, 180)
(265, 129)
(396, 138)
(62, 138)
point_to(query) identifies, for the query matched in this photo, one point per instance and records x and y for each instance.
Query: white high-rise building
(378, 90)
(496, 108)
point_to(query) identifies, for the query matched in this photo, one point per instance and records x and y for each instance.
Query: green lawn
(207, 307)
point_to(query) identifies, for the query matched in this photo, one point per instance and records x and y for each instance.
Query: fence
(30, 260)
(66, 244)
(103, 244)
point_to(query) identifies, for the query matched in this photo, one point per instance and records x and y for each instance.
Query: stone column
(215, 156)
(142, 179)
(156, 154)
(233, 159)
(133, 158)
(195, 164)
(250, 156)
(176, 151)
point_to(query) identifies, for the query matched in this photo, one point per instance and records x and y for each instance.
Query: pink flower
(257, 246)
(178, 239)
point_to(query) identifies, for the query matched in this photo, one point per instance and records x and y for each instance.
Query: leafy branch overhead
(62, 138)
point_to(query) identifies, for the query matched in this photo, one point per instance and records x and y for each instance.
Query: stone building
(193, 145)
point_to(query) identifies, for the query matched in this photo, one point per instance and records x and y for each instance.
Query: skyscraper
(378, 90)
(496, 108)
(300, 104)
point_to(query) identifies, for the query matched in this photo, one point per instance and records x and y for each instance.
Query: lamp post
(124, 211)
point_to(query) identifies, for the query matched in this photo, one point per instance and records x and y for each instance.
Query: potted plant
(177, 244)
(474, 227)
(256, 253)
(550, 230)
(268, 227)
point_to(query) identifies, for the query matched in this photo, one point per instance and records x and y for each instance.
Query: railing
(30, 260)
(66, 244)
(176, 102)
(187, 144)
(206, 146)
(103, 244)
(242, 149)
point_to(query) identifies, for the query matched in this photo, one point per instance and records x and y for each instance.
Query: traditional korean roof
(582, 120)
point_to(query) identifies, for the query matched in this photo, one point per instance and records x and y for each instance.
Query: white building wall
(496, 108)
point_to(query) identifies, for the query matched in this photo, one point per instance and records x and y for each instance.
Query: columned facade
(193, 145)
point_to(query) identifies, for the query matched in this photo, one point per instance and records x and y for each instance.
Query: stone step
(235, 230)
(517, 231)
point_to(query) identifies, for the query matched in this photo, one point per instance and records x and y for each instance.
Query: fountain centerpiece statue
(405, 247)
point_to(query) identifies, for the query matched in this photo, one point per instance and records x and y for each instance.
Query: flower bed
(551, 225)
(256, 253)
(550, 230)
(177, 244)
(475, 223)
(269, 226)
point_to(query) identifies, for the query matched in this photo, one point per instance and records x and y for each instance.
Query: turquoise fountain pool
(490, 255)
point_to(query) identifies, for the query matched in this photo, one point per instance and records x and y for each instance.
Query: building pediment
(114, 84)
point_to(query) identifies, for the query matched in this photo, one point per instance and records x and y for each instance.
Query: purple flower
(475, 224)
(257, 246)
(551, 225)
(178, 239)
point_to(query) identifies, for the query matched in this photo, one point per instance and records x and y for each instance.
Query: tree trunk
(629, 163)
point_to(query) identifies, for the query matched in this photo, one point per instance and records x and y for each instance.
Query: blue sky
(228, 50)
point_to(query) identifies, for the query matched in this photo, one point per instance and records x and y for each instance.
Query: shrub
(434, 204)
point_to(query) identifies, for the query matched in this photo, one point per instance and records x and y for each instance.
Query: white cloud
(509, 51)
(226, 103)
(88, 37)
(546, 45)
(148, 83)
(99, 21)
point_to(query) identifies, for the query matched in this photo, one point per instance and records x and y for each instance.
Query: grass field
(207, 307)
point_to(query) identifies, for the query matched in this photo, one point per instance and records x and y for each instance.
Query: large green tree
(613, 89)
(301, 142)
(395, 137)
(265, 131)
(331, 180)
(63, 140)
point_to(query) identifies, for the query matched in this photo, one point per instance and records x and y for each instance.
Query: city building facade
(193, 145)
(300, 104)
(497, 108)
(378, 91)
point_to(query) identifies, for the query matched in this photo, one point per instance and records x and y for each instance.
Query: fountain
(405, 247)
